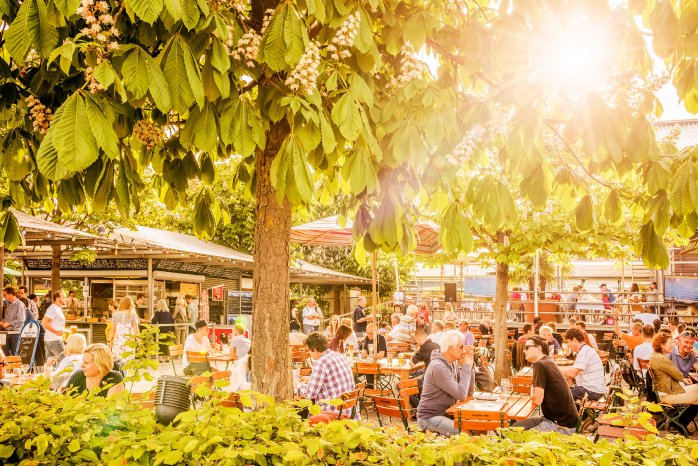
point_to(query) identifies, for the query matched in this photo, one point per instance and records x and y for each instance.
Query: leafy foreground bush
(40, 427)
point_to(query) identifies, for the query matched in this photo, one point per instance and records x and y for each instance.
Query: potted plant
(633, 418)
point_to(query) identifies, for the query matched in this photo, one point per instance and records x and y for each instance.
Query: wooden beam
(60, 242)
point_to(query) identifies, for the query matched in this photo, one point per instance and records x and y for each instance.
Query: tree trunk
(56, 254)
(502, 366)
(271, 358)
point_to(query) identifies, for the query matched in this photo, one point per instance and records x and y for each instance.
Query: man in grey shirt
(15, 315)
(192, 312)
(445, 383)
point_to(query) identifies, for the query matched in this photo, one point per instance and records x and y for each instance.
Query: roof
(687, 131)
(31, 224)
(188, 244)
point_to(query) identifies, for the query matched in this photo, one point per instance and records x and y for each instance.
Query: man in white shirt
(644, 350)
(54, 324)
(197, 342)
(311, 317)
(587, 370)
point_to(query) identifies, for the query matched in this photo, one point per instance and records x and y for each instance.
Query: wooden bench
(480, 421)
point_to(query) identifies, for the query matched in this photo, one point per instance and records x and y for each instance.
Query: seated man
(394, 327)
(587, 370)
(682, 355)
(546, 333)
(589, 338)
(631, 340)
(239, 345)
(527, 332)
(425, 348)
(445, 383)
(468, 337)
(644, 350)
(437, 331)
(407, 325)
(197, 342)
(331, 376)
(550, 392)
(296, 337)
(382, 348)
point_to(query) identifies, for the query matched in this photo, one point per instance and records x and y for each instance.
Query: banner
(217, 293)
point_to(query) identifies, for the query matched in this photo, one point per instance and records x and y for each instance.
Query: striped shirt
(591, 376)
(331, 377)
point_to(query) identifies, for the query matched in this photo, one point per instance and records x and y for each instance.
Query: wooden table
(517, 406)
(222, 357)
(15, 381)
(525, 372)
(402, 371)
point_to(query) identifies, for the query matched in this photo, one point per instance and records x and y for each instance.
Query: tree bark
(271, 357)
(502, 366)
(56, 253)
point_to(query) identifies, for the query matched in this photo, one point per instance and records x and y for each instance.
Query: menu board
(189, 289)
(239, 302)
(29, 341)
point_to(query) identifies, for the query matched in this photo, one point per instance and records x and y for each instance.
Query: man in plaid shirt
(331, 374)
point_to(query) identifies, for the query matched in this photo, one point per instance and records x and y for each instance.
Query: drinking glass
(25, 369)
(507, 387)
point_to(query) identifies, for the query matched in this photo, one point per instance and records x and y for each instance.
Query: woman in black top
(96, 374)
(163, 316)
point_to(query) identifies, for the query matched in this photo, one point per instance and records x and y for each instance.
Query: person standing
(360, 317)
(54, 325)
(550, 392)
(72, 303)
(239, 345)
(192, 312)
(124, 323)
(29, 302)
(179, 316)
(163, 318)
(140, 305)
(311, 316)
(15, 316)
(44, 305)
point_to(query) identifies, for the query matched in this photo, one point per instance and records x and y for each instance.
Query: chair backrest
(652, 396)
(197, 357)
(146, 402)
(390, 407)
(480, 421)
(398, 346)
(367, 368)
(349, 400)
(175, 350)
(233, 401)
(644, 363)
(198, 380)
(521, 384)
(409, 383)
(220, 375)
(13, 362)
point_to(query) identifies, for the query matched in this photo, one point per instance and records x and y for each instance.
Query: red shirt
(425, 313)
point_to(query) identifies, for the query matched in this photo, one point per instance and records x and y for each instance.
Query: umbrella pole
(374, 301)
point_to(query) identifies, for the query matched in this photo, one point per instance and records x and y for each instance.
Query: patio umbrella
(328, 232)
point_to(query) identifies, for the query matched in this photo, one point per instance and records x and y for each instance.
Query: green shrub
(41, 427)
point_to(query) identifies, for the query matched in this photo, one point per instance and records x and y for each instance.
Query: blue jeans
(542, 424)
(55, 348)
(578, 393)
(440, 424)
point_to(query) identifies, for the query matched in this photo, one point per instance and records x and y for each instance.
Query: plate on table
(486, 397)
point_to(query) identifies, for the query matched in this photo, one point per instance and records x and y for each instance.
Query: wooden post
(374, 300)
(2, 276)
(150, 289)
(56, 254)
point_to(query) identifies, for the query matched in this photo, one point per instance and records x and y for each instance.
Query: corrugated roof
(38, 225)
(687, 131)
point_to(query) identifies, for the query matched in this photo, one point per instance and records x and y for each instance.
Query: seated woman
(671, 385)
(240, 375)
(197, 342)
(74, 347)
(96, 375)
(339, 341)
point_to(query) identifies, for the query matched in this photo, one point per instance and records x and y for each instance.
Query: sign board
(189, 289)
(98, 264)
(28, 342)
(203, 306)
(239, 302)
(217, 293)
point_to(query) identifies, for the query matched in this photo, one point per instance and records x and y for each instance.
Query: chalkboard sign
(239, 302)
(214, 271)
(29, 342)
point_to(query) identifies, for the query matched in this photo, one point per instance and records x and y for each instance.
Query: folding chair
(521, 385)
(382, 382)
(408, 393)
(147, 402)
(391, 407)
(397, 346)
(220, 375)
(480, 421)
(670, 412)
(175, 351)
(233, 401)
(13, 362)
(195, 382)
(299, 354)
(349, 401)
(198, 362)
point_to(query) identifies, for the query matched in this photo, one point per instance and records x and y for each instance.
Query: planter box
(606, 429)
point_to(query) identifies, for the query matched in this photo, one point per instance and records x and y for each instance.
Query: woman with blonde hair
(96, 374)
(179, 316)
(74, 347)
(124, 323)
(449, 314)
(331, 329)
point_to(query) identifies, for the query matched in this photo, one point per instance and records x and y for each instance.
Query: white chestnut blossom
(148, 133)
(410, 66)
(40, 115)
(247, 48)
(304, 76)
(344, 39)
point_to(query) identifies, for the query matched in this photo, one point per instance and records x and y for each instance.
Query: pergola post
(150, 288)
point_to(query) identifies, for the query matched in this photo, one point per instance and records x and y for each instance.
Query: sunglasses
(689, 333)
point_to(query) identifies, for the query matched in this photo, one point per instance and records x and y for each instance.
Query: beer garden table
(517, 406)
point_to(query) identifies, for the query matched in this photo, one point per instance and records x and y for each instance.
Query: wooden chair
(392, 408)
(521, 384)
(195, 382)
(299, 354)
(373, 369)
(13, 362)
(398, 346)
(480, 421)
(220, 375)
(233, 401)
(175, 351)
(670, 412)
(406, 389)
(199, 362)
(147, 402)
(349, 402)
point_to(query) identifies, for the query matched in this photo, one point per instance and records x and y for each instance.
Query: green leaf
(193, 73)
(665, 25)
(74, 445)
(70, 145)
(328, 140)
(683, 189)
(206, 129)
(67, 7)
(177, 76)
(294, 32)
(102, 129)
(654, 251)
(360, 90)
(272, 47)
(104, 74)
(584, 214)
(147, 10)
(455, 234)
(159, 89)
(31, 29)
(6, 451)
(612, 207)
(174, 456)
(134, 73)
(176, 10)
(358, 170)
(190, 14)
(290, 173)
(345, 114)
